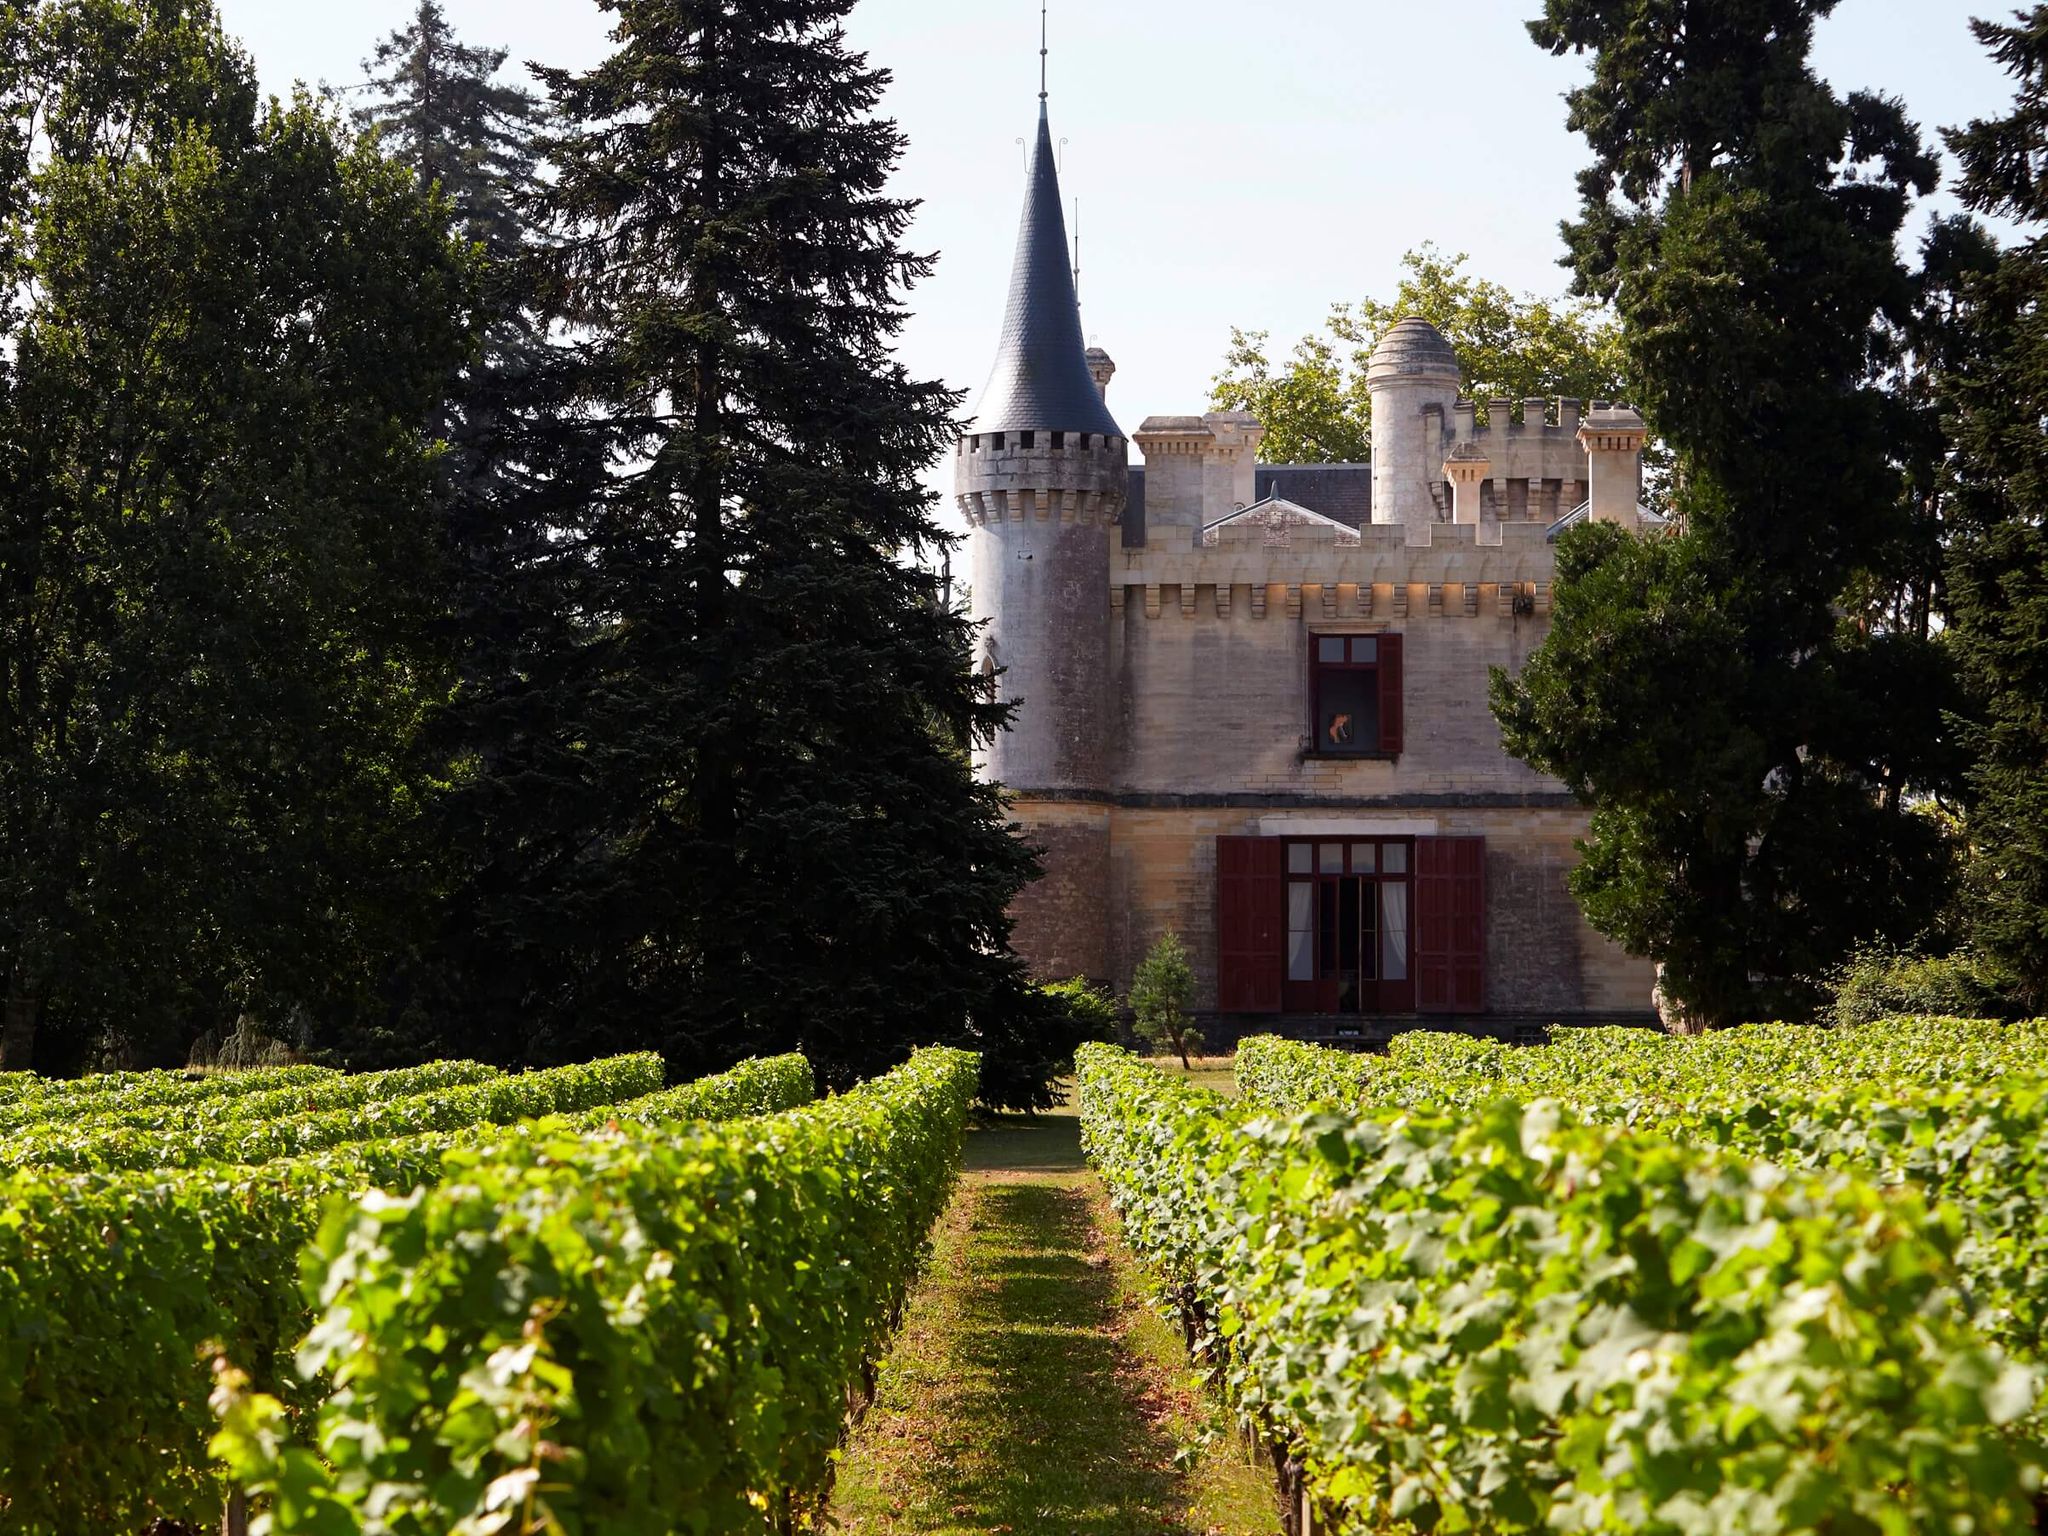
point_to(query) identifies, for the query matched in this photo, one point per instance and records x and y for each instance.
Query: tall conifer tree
(794, 851)
(1997, 393)
(1742, 743)
(517, 471)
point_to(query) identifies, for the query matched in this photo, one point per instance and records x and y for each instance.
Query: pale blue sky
(1235, 164)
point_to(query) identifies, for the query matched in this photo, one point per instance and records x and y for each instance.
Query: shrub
(1159, 998)
(1091, 1011)
(1879, 982)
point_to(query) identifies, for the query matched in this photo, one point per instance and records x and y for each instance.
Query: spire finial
(1041, 50)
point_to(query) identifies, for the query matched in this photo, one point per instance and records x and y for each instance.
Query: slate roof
(1041, 381)
(1341, 492)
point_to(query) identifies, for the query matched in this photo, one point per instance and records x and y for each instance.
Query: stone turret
(1040, 473)
(1413, 381)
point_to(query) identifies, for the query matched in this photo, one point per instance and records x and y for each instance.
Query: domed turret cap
(1413, 349)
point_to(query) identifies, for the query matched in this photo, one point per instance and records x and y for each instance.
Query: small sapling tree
(1159, 998)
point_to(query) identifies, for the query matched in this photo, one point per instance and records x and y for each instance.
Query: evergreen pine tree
(793, 850)
(1997, 394)
(518, 469)
(1743, 743)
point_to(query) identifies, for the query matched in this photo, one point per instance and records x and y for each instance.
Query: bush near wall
(633, 1333)
(115, 1288)
(1505, 1321)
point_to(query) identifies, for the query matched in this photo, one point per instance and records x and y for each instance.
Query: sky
(1235, 165)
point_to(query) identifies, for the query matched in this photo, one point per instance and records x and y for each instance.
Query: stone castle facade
(1252, 699)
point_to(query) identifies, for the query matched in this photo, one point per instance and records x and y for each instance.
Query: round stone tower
(1040, 473)
(1412, 370)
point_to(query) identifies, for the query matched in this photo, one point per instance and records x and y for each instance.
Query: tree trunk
(18, 1029)
(1672, 1012)
(234, 1520)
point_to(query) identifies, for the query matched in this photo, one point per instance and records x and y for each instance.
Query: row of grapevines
(1509, 1322)
(94, 1139)
(637, 1333)
(469, 1100)
(1937, 1103)
(115, 1287)
(35, 1098)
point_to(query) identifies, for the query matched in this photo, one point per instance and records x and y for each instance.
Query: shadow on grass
(1063, 1440)
(1043, 1143)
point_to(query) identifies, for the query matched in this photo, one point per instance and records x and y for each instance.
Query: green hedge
(113, 1286)
(93, 1137)
(443, 1096)
(1503, 1321)
(1957, 1107)
(25, 1098)
(635, 1333)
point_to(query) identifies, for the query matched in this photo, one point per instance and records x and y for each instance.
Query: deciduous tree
(1314, 404)
(225, 327)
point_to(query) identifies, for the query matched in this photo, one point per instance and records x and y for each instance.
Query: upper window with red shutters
(1355, 695)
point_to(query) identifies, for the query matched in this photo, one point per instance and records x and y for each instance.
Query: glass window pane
(1365, 649)
(1362, 855)
(1394, 858)
(1394, 930)
(1330, 858)
(1348, 704)
(1301, 944)
(1330, 648)
(1299, 859)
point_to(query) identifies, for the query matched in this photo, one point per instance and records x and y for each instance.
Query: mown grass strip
(1032, 1388)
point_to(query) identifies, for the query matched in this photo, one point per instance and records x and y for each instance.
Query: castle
(1252, 699)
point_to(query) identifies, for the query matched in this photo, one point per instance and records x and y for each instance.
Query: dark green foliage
(784, 844)
(226, 327)
(1996, 394)
(1882, 983)
(1092, 1011)
(1741, 738)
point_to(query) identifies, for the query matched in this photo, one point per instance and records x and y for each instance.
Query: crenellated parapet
(1041, 476)
(1274, 560)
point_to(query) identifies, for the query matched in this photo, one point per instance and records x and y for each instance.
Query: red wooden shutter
(1390, 693)
(1450, 924)
(1249, 906)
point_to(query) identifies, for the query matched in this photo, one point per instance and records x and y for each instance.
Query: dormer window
(1355, 695)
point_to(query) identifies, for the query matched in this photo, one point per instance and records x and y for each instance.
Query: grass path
(1032, 1389)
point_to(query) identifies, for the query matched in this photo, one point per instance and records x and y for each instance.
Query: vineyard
(1771, 1280)
(448, 1298)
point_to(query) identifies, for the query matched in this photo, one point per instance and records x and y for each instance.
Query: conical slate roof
(1040, 381)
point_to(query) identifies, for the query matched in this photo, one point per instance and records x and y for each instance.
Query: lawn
(1032, 1388)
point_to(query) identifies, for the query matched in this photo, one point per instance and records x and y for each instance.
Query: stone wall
(1063, 919)
(1541, 956)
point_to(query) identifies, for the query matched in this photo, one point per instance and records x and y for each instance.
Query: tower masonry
(1040, 476)
(1251, 699)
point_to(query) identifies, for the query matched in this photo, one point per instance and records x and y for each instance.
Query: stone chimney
(1101, 368)
(1612, 436)
(1466, 469)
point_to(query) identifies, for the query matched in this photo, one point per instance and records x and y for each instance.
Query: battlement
(1074, 477)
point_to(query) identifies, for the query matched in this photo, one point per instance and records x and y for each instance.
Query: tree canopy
(226, 326)
(1314, 404)
(1994, 387)
(1743, 738)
